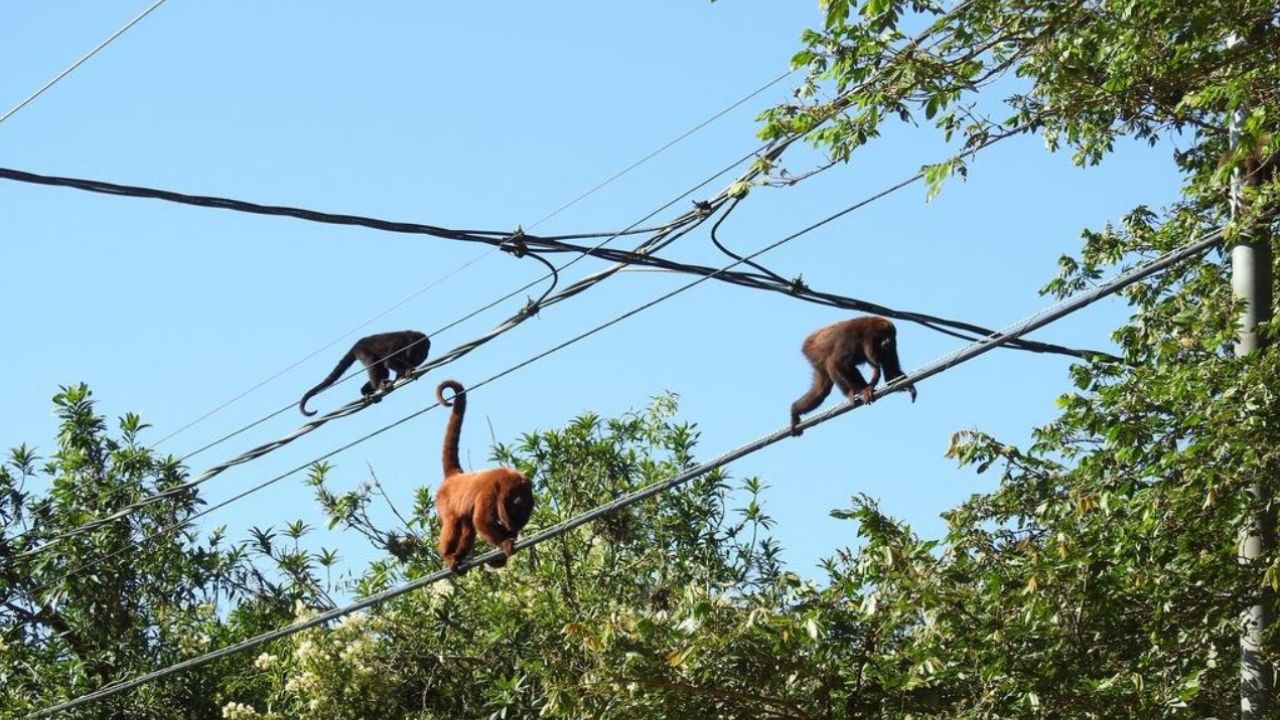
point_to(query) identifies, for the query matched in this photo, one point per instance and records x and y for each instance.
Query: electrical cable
(457, 352)
(351, 408)
(424, 289)
(307, 357)
(490, 237)
(951, 360)
(703, 210)
(71, 68)
(662, 149)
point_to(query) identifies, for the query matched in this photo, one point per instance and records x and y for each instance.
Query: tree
(94, 607)
(597, 622)
(1100, 579)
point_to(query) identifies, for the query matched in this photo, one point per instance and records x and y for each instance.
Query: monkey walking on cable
(835, 352)
(401, 351)
(495, 503)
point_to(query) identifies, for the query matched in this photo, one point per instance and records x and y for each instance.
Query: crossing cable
(674, 230)
(353, 407)
(83, 59)
(951, 360)
(652, 154)
(175, 526)
(767, 153)
(301, 360)
(768, 280)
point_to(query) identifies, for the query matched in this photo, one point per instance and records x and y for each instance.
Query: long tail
(449, 458)
(342, 366)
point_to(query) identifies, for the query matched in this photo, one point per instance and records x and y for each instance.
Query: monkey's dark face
(520, 505)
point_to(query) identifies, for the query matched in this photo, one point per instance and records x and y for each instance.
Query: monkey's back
(825, 340)
(459, 493)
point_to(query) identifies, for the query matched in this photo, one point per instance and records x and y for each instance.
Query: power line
(986, 344)
(30, 98)
(457, 352)
(490, 237)
(654, 243)
(545, 218)
(310, 355)
(662, 149)
(772, 150)
(796, 288)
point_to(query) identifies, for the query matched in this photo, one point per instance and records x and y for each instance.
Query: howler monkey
(835, 352)
(495, 503)
(401, 351)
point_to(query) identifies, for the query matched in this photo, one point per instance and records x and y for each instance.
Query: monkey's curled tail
(342, 366)
(449, 458)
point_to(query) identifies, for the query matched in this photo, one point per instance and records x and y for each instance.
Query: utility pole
(1251, 282)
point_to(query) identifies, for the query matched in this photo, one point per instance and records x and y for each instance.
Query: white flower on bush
(305, 649)
(238, 711)
(302, 682)
(265, 661)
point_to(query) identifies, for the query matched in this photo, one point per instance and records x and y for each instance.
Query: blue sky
(463, 115)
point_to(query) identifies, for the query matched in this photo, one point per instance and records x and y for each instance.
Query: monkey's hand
(868, 395)
(795, 430)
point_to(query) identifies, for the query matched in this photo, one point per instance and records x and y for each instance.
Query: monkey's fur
(401, 351)
(835, 352)
(495, 503)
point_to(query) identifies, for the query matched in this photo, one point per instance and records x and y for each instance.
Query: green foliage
(627, 617)
(1099, 579)
(135, 594)
(1080, 74)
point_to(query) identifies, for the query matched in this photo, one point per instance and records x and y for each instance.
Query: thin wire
(951, 360)
(440, 361)
(310, 355)
(358, 405)
(662, 149)
(457, 352)
(772, 150)
(477, 311)
(81, 61)
(545, 218)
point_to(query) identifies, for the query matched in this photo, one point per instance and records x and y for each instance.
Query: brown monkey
(401, 351)
(495, 503)
(835, 352)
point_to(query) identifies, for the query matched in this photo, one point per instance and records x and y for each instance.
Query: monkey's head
(519, 502)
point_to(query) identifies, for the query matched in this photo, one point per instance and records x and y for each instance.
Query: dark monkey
(835, 352)
(495, 503)
(401, 351)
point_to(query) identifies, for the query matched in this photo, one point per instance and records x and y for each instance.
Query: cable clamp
(702, 207)
(797, 286)
(515, 244)
(531, 308)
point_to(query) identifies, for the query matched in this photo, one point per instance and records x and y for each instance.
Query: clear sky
(477, 116)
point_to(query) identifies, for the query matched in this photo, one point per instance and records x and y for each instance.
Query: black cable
(941, 365)
(491, 237)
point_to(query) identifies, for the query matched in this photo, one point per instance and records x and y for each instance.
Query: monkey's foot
(500, 561)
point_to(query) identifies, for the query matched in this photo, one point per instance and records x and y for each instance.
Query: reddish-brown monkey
(835, 352)
(495, 503)
(401, 351)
